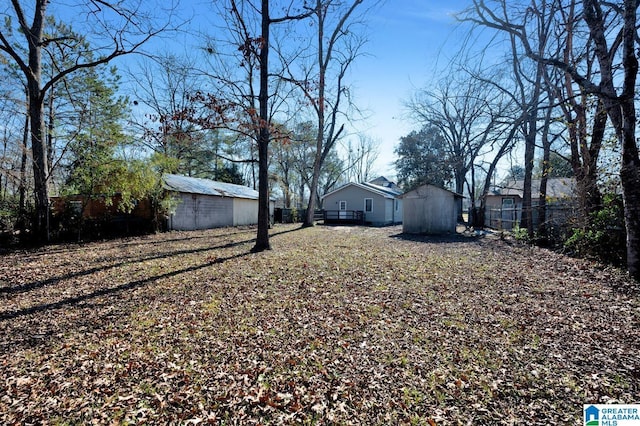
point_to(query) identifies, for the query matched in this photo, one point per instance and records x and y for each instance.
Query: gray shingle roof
(393, 191)
(193, 185)
(556, 188)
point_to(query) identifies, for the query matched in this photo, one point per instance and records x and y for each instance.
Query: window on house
(75, 207)
(397, 202)
(343, 205)
(368, 205)
(508, 203)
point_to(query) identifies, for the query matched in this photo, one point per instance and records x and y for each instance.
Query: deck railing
(344, 216)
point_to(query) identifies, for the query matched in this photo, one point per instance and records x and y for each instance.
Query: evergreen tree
(422, 158)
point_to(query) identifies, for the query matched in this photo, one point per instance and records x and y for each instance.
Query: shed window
(368, 205)
(343, 205)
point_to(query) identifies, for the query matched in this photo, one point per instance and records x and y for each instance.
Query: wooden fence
(559, 215)
(283, 215)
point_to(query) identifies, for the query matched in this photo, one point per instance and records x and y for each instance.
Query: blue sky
(409, 44)
(407, 41)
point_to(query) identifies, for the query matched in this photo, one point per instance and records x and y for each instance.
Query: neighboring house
(430, 209)
(100, 216)
(376, 204)
(204, 203)
(99, 207)
(503, 206)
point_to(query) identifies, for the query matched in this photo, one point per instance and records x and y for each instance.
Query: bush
(9, 213)
(604, 238)
(521, 234)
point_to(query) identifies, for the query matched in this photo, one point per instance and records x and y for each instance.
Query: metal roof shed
(205, 203)
(430, 209)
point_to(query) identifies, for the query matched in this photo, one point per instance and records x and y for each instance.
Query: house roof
(392, 190)
(455, 194)
(385, 183)
(381, 191)
(380, 185)
(193, 185)
(556, 188)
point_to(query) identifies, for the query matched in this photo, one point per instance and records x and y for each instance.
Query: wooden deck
(343, 217)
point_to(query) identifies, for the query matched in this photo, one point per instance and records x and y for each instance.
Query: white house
(376, 202)
(429, 209)
(204, 203)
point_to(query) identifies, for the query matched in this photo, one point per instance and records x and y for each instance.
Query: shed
(430, 209)
(205, 203)
(376, 204)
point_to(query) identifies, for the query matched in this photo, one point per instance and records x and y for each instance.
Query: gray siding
(383, 208)
(429, 210)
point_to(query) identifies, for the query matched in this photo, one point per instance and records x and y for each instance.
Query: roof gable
(383, 182)
(193, 185)
(364, 186)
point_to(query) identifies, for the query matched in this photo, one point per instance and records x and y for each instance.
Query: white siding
(196, 211)
(245, 212)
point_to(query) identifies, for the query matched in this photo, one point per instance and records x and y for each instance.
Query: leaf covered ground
(335, 325)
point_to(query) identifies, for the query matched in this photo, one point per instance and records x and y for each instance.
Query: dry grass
(338, 325)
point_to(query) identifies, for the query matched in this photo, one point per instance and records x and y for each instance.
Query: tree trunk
(49, 135)
(526, 219)
(460, 190)
(313, 193)
(630, 177)
(546, 155)
(36, 119)
(262, 237)
(320, 110)
(584, 159)
(40, 167)
(584, 152)
(621, 111)
(630, 171)
(22, 187)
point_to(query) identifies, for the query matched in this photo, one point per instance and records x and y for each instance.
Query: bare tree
(361, 158)
(529, 91)
(124, 29)
(467, 112)
(181, 122)
(323, 82)
(582, 112)
(255, 49)
(613, 38)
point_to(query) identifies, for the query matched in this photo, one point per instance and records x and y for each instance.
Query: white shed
(204, 203)
(429, 209)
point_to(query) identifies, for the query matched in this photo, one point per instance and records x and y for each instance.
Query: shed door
(343, 209)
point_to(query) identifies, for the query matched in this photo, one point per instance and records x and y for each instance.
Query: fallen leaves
(358, 327)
